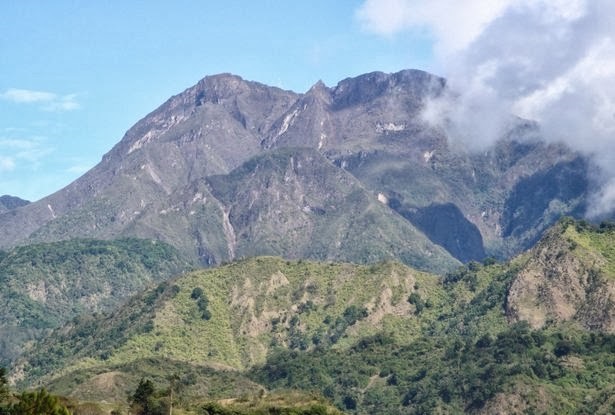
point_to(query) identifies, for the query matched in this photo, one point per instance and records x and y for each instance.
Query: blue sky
(75, 75)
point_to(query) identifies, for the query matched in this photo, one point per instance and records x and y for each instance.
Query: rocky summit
(231, 168)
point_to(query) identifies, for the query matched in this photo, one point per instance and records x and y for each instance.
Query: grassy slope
(595, 244)
(254, 304)
(468, 359)
(568, 277)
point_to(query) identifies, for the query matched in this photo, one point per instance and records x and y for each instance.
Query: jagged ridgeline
(231, 168)
(43, 286)
(383, 338)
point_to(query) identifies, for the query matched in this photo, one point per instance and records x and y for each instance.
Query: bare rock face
(174, 177)
(564, 281)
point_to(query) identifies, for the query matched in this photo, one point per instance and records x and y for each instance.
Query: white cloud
(24, 151)
(48, 101)
(6, 164)
(27, 96)
(385, 17)
(454, 24)
(552, 61)
(17, 143)
(63, 103)
(603, 200)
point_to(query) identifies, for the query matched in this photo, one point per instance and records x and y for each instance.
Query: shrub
(418, 303)
(196, 293)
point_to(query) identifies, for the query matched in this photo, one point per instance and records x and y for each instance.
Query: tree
(147, 401)
(141, 401)
(4, 392)
(4, 386)
(173, 385)
(416, 300)
(38, 403)
(196, 293)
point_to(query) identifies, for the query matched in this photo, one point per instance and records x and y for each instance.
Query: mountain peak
(157, 181)
(215, 87)
(319, 90)
(371, 86)
(320, 85)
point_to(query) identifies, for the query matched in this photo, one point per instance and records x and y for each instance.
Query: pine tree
(38, 403)
(142, 398)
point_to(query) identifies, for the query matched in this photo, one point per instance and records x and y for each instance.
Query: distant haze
(551, 61)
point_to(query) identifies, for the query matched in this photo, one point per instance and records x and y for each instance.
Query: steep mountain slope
(158, 181)
(483, 187)
(294, 202)
(44, 286)
(569, 276)
(404, 342)
(155, 191)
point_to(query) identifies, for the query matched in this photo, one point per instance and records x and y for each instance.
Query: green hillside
(466, 360)
(44, 286)
(380, 338)
(232, 316)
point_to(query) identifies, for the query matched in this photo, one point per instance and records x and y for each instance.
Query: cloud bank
(552, 61)
(48, 101)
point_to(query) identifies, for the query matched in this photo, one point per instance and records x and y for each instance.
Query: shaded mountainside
(11, 202)
(166, 179)
(446, 226)
(405, 342)
(43, 286)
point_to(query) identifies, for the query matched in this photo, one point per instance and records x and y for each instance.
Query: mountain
(231, 168)
(44, 286)
(295, 203)
(11, 202)
(407, 341)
